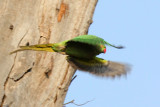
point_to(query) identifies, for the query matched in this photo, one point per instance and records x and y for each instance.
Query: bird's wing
(99, 67)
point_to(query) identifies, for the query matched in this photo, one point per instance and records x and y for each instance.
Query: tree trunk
(38, 79)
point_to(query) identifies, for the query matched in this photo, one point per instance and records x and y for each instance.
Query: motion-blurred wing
(99, 67)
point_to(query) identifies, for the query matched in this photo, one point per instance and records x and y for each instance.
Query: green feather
(93, 40)
(89, 39)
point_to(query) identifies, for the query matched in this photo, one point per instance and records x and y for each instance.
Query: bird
(81, 53)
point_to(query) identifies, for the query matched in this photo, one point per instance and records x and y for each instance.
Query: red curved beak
(105, 50)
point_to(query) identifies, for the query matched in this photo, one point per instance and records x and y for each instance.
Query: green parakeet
(81, 53)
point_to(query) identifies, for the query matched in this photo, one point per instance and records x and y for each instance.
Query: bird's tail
(39, 47)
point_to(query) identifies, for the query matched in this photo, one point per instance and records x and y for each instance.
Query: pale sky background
(136, 25)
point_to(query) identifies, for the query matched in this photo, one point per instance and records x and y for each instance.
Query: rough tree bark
(38, 79)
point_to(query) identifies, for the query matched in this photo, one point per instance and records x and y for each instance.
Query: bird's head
(103, 48)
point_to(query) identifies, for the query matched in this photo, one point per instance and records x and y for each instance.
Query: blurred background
(134, 24)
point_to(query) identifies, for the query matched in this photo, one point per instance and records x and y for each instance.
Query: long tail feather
(39, 47)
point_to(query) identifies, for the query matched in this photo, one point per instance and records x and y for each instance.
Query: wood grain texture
(38, 79)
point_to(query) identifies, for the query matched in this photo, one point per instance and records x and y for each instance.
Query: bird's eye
(104, 50)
